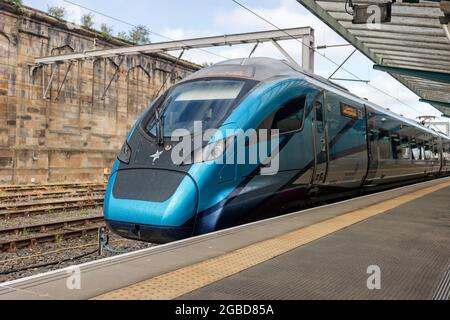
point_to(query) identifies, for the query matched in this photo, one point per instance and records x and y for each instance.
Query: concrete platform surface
(409, 244)
(319, 253)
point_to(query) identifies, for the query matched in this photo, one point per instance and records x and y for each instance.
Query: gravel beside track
(53, 252)
(48, 224)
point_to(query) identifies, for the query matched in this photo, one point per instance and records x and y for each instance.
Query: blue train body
(330, 142)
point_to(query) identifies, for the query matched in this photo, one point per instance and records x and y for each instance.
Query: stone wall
(73, 130)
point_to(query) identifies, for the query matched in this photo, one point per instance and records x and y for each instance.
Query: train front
(154, 192)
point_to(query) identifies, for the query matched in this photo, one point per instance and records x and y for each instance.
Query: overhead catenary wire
(324, 56)
(134, 26)
(267, 21)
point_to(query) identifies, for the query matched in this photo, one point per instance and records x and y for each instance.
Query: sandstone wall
(75, 130)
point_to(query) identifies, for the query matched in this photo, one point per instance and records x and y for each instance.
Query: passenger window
(436, 151)
(290, 116)
(415, 152)
(446, 152)
(406, 149)
(396, 146)
(384, 144)
(420, 150)
(428, 150)
(319, 115)
(400, 147)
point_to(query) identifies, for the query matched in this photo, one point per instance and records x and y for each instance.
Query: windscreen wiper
(159, 117)
(159, 127)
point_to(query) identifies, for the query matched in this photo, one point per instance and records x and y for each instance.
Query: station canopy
(414, 47)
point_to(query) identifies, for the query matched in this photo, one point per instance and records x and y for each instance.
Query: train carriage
(326, 141)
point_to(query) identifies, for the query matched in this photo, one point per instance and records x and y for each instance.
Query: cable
(347, 3)
(58, 251)
(322, 55)
(5, 273)
(133, 25)
(107, 248)
(48, 253)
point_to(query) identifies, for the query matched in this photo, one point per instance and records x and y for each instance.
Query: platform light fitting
(445, 8)
(445, 20)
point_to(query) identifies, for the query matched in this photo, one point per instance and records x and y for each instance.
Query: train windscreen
(204, 102)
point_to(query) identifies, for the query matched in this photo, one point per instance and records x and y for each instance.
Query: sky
(180, 19)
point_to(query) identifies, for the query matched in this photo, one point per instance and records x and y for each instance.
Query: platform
(319, 253)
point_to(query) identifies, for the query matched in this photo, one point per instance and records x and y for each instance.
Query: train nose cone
(151, 204)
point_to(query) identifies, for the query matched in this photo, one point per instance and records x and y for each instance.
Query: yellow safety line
(174, 284)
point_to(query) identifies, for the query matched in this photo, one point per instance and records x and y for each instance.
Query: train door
(320, 140)
(346, 133)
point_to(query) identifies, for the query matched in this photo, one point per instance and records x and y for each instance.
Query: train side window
(400, 147)
(396, 146)
(421, 145)
(420, 150)
(289, 117)
(384, 144)
(436, 150)
(406, 149)
(428, 150)
(319, 116)
(446, 151)
(415, 153)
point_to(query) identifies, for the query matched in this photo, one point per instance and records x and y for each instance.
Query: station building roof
(414, 47)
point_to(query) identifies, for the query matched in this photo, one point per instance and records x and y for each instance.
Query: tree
(17, 3)
(106, 30)
(122, 35)
(87, 20)
(57, 12)
(139, 35)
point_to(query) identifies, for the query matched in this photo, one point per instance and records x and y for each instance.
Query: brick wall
(76, 130)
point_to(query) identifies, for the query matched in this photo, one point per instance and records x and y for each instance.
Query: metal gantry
(304, 34)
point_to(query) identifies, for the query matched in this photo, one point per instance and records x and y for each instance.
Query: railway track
(9, 211)
(44, 187)
(23, 237)
(23, 201)
(31, 200)
(45, 195)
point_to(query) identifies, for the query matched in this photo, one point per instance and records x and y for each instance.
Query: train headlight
(125, 153)
(213, 151)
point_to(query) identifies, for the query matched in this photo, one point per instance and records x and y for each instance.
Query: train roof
(262, 69)
(259, 69)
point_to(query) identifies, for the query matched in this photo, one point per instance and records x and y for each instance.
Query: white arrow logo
(156, 156)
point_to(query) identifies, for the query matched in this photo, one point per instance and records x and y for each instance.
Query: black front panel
(146, 184)
(153, 234)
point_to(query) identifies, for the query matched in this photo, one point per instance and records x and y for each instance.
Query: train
(327, 142)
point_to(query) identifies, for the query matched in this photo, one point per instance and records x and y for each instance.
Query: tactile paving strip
(443, 291)
(182, 281)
